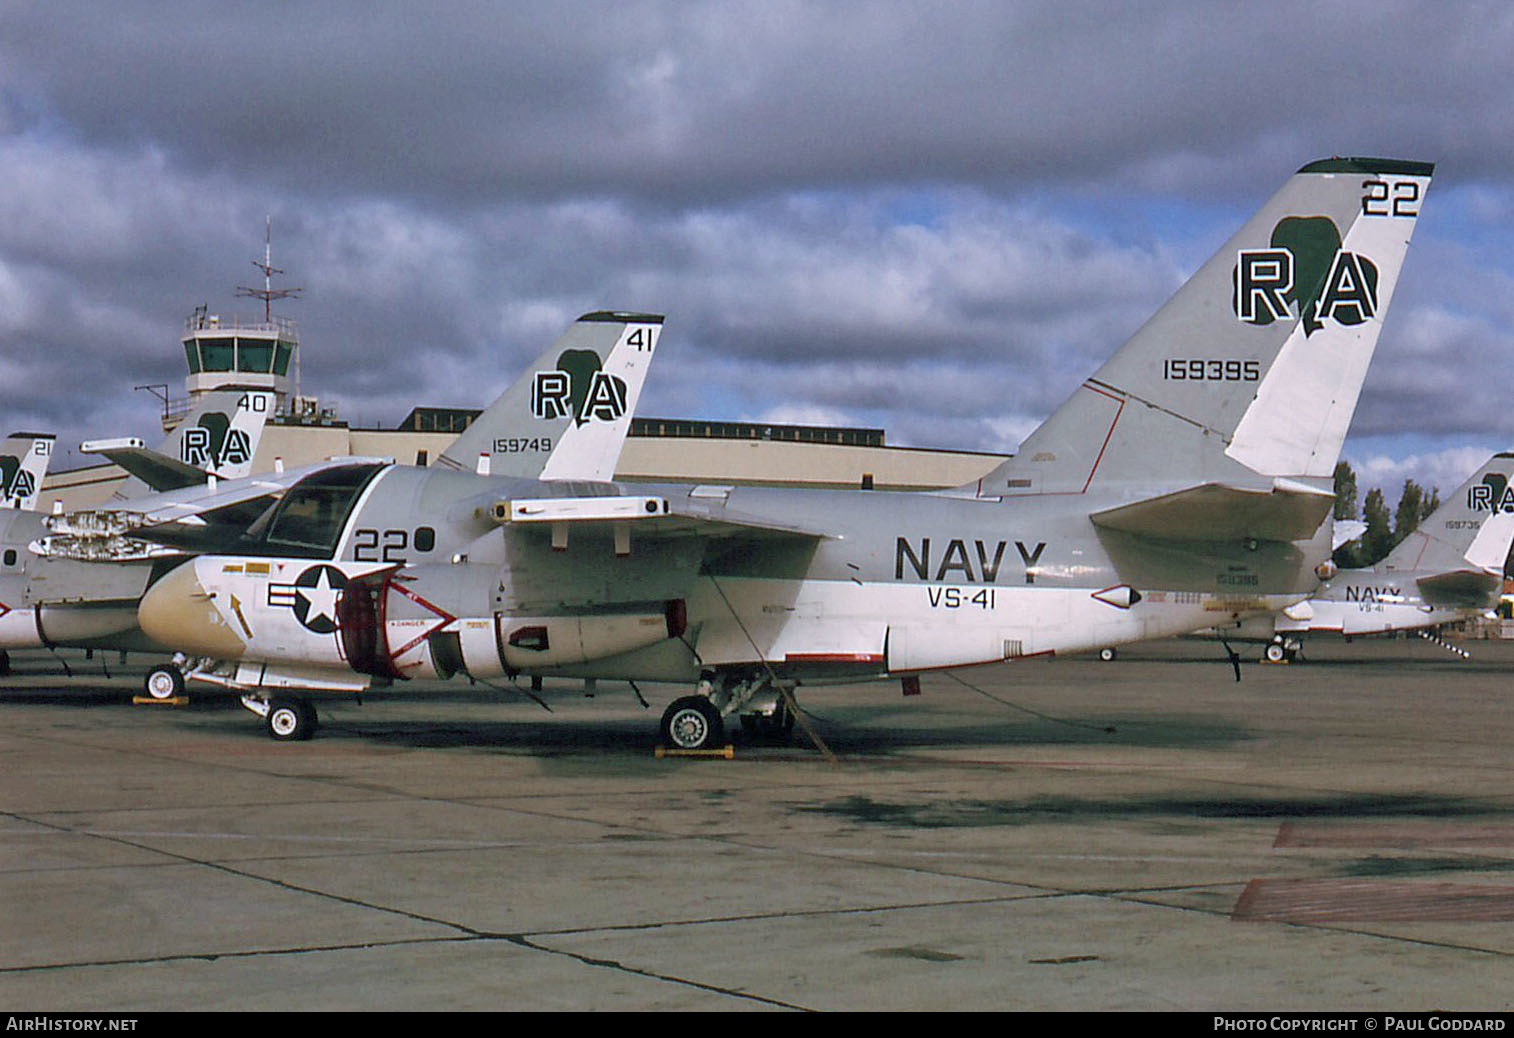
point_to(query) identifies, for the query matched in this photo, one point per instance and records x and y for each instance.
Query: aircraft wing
(182, 505)
(201, 518)
(702, 513)
(154, 468)
(1286, 511)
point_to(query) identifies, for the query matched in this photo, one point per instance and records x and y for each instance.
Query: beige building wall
(681, 459)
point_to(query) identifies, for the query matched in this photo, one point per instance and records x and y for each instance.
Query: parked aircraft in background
(1185, 484)
(82, 574)
(574, 402)
(1449, 569)
(217, 438)
(66, 602)
(24, 458)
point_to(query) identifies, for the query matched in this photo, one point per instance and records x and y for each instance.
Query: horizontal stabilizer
(1464, 589)
(158, 470)
(1346, 531)
(1289, 511)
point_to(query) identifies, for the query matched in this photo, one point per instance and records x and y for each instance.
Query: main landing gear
(692, 723)
(1281, 650)
(698, 722)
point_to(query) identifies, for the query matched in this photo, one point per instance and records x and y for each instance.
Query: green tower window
(218, 354)
(255, 355)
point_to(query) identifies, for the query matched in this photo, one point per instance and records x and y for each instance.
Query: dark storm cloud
(461, 102)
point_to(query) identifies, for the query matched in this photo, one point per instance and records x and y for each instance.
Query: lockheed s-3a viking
(1186, 484)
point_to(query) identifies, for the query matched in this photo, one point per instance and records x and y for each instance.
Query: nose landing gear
(287, 718)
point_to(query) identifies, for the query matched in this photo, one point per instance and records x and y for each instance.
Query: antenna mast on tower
(267, 293)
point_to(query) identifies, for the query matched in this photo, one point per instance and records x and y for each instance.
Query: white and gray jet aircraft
(1186, 484)
(1449, 569)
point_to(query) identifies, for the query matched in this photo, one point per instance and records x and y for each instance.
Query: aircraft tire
(291, 720)
(164, 682)
(5, 663)
(1275, 653)
(1108, 653)
(692, 723)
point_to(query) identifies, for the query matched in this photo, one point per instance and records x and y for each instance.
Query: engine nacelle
(508, 644)
(528, 643)
(18, 628)
(75, 623)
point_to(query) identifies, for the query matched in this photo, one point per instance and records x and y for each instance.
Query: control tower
(242, 352)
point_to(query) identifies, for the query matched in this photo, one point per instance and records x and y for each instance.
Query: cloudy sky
(934, 218)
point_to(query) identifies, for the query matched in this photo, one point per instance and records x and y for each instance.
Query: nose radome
(180, 613)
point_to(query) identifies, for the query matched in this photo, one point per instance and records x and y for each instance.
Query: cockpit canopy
(307, 522)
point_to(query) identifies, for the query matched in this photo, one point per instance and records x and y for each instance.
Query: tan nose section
(178, 613)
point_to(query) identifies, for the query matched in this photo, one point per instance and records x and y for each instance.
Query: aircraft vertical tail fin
(219, 436)
(568, 415)
(1253, 368)
(1471, 531)
(24, 458)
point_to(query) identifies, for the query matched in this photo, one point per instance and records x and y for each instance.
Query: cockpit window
(309, 520)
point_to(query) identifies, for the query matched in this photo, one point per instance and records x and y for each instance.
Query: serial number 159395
(1208, 369)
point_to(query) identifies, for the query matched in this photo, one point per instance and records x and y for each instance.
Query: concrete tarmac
(1065, 834)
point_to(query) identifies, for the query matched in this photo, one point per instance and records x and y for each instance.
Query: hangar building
(251, 353)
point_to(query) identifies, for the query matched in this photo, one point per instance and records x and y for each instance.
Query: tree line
(1384, 528)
